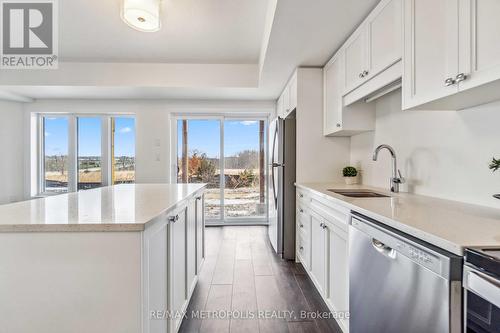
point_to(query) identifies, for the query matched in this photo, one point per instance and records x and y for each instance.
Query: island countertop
(125, 207)
(450, 225)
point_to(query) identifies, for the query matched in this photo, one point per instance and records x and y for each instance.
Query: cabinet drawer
(303, 250)
(303, 197)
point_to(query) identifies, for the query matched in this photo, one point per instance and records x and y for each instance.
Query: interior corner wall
(11, 151)
(321, 158)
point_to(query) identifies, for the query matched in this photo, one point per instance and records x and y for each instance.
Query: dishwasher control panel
(402, 246)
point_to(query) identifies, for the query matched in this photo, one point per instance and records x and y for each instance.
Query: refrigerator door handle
(274, 165)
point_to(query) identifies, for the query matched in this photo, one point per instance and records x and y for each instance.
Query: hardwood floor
(242, 276)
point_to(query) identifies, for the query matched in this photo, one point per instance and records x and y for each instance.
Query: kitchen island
(121, 258)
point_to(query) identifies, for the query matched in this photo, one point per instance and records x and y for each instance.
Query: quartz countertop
(450, 225)
(125, 207)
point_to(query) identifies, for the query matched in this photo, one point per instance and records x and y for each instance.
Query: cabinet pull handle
(365, 73)
(301, 210)
(338, 125)
(361, 75)
(301, 195)
(173, 219)
(302, 226)
(449, 82)
(460, 77)
(301, 248)
(198, 198)
(321, 225)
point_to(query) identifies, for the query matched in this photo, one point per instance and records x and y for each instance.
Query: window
(123, 150)
(82, 152)
(89, 153)
(55, 154)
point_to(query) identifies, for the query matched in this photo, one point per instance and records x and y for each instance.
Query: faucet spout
(396, 178)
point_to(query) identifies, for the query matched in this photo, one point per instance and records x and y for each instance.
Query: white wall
(441, 153)
(319, 158)
(11, 152)
(153, 120)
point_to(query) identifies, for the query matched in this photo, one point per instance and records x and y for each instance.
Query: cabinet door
(479, 42)
(430, 50)
(286, 101)
(333, 89)
(318, 252)
(355, 60)
(385, 36)
(177, 272)
(293, 92)
(279, 107)
(191, 246)
(338, 270)
(200, 234)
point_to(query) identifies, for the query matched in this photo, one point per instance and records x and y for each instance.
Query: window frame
(106, 151)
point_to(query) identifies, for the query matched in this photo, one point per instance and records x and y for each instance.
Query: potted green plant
(350, 175)
(495, 166)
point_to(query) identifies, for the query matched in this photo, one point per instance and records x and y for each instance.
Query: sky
(89, 136)
(204, 136)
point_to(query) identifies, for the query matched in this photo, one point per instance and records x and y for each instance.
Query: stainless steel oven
(481, 281)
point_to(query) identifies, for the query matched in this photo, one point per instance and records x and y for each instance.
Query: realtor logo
(29, 34)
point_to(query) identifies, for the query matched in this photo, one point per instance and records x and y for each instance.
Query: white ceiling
(302, 33)
(193, 31)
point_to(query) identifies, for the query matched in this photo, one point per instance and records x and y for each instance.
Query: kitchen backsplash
(440, 153)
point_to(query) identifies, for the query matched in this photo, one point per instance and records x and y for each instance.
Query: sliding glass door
(198, 160)
(229, 155)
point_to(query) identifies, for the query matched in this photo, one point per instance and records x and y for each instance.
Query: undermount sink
(359, 193)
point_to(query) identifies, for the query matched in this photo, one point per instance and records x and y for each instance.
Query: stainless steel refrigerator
(282, 133)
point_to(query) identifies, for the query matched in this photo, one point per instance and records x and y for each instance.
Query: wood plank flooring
(242, 275)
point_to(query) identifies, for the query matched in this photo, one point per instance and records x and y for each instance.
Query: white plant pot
(351, 180)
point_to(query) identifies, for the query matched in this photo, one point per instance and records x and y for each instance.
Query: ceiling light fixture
(142, 15)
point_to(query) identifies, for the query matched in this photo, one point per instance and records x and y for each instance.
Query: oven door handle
(482, 285)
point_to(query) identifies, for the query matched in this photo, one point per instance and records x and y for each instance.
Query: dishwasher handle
(483, 285)
(384, 249)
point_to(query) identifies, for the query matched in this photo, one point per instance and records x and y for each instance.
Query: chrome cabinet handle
(361, 75)
(338, 125)
(365, 73)
(449, 82)
(301, 248)
(173, 219)
(198, 198)
(460, 77)
(325, 226)
(301, 195)
(301, 210)
(301, 225)
(321, 225)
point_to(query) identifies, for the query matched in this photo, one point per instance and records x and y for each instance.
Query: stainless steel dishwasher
(400, 284)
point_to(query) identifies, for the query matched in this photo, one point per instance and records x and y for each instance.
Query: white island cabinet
(122, 258)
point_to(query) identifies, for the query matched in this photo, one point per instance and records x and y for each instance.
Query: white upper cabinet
(355, 60)
(334, 86)
(430, 50)
(451, 54)
(385, 38)
(287, 102)
(366, 67)
(479, 42)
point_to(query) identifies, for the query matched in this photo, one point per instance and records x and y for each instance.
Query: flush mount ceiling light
(142, 15)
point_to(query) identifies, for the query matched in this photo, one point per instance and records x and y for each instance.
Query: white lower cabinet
(173, 252)
(326, 240)
(200, 233)
(318, 251)
(177, 270)
(337, 293)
